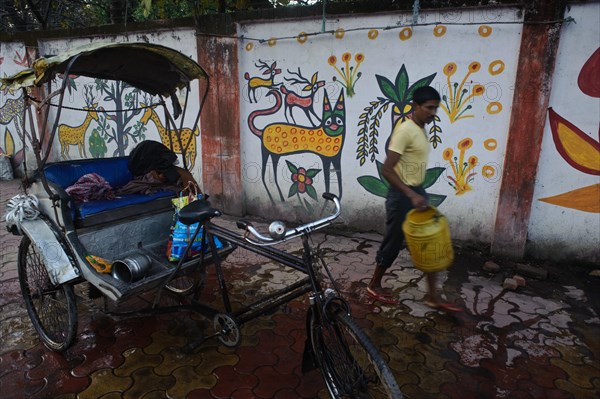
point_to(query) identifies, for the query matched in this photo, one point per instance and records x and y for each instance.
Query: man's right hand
(419, 202)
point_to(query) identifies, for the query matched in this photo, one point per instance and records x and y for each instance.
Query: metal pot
(132, 268)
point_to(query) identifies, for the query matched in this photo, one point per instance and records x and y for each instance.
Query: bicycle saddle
(197, 211)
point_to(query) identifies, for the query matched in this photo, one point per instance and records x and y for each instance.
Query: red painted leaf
(589, 76)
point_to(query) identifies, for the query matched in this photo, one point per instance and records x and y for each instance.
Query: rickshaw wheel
(52, 308)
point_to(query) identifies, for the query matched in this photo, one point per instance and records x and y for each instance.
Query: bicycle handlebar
(278, 231)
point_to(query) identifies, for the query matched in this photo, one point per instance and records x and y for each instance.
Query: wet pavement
(539, 341)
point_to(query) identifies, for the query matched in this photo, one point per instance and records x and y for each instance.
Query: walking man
(404, 168)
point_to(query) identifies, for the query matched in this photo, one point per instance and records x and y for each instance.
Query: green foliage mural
(398, 96)
(379, 186)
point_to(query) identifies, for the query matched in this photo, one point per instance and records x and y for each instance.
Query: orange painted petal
(577, 148)
(586, 199)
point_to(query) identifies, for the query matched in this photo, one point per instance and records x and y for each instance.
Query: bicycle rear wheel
(350, 364)
(52, 308)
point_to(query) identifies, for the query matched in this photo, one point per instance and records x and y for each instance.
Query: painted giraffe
(187, 136)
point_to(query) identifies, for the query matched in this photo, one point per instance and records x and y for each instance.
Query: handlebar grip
(243, 224)
(329, 196)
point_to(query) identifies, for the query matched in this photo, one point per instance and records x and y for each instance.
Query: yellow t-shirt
(410, 141)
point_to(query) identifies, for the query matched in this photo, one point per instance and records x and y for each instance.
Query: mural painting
(105, 118)
(325, 140)
(577, 148)
(75, 135)
(398, 97)
(348, 73)
(378, 93)
(257, 82)
(455, 104)
(304, 103)
(118, 125)
(169, 137)
(302, 183)
(11, 114)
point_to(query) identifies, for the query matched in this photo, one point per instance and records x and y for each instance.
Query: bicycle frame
(267, 302)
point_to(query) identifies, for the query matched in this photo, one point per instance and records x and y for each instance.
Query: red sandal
(444, 306)
(382, 297)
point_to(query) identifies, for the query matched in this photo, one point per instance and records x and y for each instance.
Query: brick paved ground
(540, 341)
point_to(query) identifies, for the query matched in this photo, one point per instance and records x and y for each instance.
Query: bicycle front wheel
(351, 365)
(52, 308)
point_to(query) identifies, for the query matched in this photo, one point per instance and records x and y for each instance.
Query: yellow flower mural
(463, 171)
(349, 74)
(456, 103)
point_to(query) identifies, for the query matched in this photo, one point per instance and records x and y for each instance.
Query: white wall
(423, 53)
(569, 227)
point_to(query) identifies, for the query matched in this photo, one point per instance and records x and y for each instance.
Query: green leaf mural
(379, 186)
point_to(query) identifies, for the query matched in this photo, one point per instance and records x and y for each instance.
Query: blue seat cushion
(113, 170)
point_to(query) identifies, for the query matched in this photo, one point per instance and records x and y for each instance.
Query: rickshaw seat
(66, 173)
(116, 173)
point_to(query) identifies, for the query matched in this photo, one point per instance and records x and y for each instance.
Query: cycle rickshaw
(59, 234)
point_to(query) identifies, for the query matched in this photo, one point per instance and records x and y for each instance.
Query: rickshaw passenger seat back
(113, 170)
(116, 172)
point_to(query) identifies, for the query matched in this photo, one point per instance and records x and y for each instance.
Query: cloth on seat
(146, 184)
(90, 187)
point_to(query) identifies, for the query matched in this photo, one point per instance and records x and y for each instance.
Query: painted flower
(448, 154)
(346, 57)
(472, 161)
(478, 90)
(359, 57)
(449, 69)
(474, 66)
(465, 144)
(332, 60)
(302, 180)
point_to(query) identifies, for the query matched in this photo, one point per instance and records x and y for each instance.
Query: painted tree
(121, 123)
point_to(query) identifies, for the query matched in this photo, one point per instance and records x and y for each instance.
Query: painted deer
(168, 138)
(305, 103)
(256, 82)
(325, 140)
(75, 135)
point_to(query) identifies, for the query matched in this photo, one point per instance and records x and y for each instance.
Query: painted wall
(369, 72)
(565, 219)
(99, 130)
(359, 79)
(13, 58)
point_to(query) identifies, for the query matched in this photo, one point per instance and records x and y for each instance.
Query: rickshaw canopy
(153, 68)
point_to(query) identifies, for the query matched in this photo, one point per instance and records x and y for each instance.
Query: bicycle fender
(60, 269)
